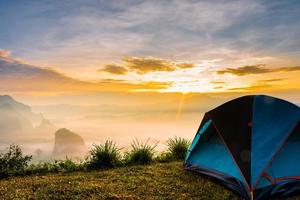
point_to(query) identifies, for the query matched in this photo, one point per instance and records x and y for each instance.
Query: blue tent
(251, 145)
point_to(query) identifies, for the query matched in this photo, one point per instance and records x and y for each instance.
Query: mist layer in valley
(70, 126)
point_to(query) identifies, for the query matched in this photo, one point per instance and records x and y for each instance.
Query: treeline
(102, 156)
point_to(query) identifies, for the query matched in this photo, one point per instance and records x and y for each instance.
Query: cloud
(289, 69)
(241, 71)
(256, 69)
(258, 85)
(60, 35)
(270, 80)
(218, 87)
(144, 65)
(251, 88)
(4, 53)
(19, 77)
(217, 82)
(114, 69)
(12, 68)
(185, 65)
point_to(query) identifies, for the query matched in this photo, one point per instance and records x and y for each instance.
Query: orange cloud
(4, 53)
(19, 77)
(142, 65)
(251, 88)
(256, 69)
(114, 69)
(185, 65)
(145, 65)
(217, 82)
(270, 80)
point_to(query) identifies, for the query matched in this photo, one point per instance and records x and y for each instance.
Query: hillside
(157, 181)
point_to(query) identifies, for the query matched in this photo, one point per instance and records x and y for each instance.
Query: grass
(140, 153)
(66, 179)
(156, 181)
(178, 147)
(105, 155)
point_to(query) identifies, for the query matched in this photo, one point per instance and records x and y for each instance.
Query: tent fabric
(283, 167)
(251, 145)
(277, 117)
(225, 118)
(212, 153)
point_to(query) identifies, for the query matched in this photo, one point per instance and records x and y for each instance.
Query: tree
(13, 161)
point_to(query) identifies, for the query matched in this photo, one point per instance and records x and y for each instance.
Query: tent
(251, 145)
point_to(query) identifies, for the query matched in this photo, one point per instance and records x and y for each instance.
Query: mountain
(18, 118)
(5, 99)
(12, 121)
(23, 109)
(45, 127)
(68, 143)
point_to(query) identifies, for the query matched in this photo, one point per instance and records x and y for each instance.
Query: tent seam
(219, 133)
(196, 135)
(275, 154)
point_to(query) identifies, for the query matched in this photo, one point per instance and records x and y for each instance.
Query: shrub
(13, 162)
(178, 147)
(41, 168)
(164, 157)
(140, 153)
(69, 165)
(66, 165)
(105, 155)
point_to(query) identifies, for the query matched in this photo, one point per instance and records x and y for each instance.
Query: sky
(82, 47)
(124, 69)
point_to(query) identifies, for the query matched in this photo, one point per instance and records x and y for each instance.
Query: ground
(157, 181)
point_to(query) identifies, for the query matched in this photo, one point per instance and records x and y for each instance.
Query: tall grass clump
(140, 153)
(178, 147)
(105, 155)
(13, 162)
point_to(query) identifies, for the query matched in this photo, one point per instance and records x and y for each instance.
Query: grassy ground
(157, 181)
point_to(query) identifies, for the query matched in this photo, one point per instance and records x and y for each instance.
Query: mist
(121, 117)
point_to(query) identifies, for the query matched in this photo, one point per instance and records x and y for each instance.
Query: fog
(116, 117)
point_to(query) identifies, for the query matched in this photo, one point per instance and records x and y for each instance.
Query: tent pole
(251, 195)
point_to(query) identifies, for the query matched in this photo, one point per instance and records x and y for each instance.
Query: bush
(178, 147)
(141, 153)
(66, 165)
(41, 168)
(13, 162)
(69, 165)
(106, 155)
(164, 157)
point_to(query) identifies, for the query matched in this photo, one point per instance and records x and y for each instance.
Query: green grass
(140, 153)
(156, 181)
(178, 147)
(105, 155)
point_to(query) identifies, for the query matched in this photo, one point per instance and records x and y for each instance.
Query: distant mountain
(45, 127)
(18, 118)
(12, 121)
(68, 143)
(5, 99)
